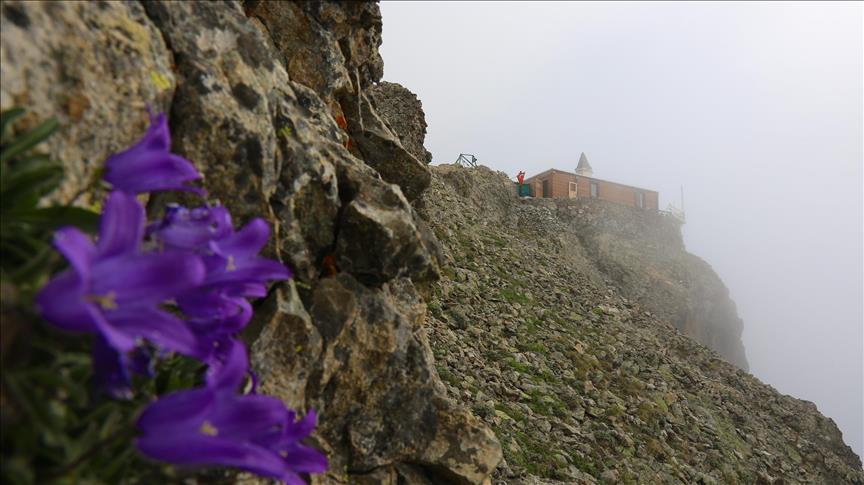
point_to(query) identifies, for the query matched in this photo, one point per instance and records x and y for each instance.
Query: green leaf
(27, 187)
(18, 172)
(53, 217)
(29, 140)
(7, 117)
(34, 266)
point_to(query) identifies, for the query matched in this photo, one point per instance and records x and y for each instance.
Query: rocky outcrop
(254, 94)
(583, 383)
(403, 112)
(333, 49)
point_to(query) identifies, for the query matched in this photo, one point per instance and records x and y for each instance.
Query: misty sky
(756, 109)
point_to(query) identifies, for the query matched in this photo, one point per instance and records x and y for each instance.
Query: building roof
(583, 163)
(530, 179)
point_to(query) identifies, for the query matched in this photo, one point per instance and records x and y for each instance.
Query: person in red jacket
(520, 177)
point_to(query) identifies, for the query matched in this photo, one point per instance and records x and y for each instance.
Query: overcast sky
(756, 109)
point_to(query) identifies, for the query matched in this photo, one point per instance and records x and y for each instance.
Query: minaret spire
(584, 168)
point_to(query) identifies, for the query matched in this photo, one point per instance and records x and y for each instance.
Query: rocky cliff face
(269, 100)
(279, 105)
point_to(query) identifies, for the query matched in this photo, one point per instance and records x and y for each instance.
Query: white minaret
(584, 168)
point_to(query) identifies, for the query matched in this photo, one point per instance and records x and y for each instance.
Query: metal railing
(466, 160)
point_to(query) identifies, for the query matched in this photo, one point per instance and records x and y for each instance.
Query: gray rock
(378, 238)
(381, 148)
(375, 353)
(403, 113)
(92, 66)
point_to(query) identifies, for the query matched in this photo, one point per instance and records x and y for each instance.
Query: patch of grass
(546, 376)
(535, 456)
(517, 366)
(434, 307)
(547, 404)
(584, 464)
(497, 241)
(511, 411)
(459, 317)
(513, 295)
(727, 435)
(533, 347)
(447, 376)
(495, 355)
(531, 325)
(482, 410)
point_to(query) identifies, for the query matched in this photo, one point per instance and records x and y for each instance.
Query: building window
(595, 191)
(640, 200)
(573, 189)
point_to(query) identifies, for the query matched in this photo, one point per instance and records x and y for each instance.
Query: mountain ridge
(584, 380)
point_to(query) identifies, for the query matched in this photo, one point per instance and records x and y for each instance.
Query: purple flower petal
(193, 229)
(157, 137)
(76, 247)
(201, 449)
(243, 271)
(212, 313)
(297, 431)
(150, 172)
(304, 459)
(178, 412)
(61, 302)
(121, 226)
(247, 417)
(146, 278)
(121, 342)
(149, 166)
(214, 427)
(160, 327)
(245, 242)
(251, 290)
(228, 368)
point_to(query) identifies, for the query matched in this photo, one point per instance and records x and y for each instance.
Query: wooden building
(581, 184)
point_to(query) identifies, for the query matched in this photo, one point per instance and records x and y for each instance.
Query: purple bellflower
(214, 425)
(203, 268)
(219, 306)
(231, 257)
(113, 290)
(191, 230)
(149, 165)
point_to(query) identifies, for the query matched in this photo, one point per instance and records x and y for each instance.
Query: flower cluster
(181, 284)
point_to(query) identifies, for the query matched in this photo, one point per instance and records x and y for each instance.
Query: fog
(755, 109)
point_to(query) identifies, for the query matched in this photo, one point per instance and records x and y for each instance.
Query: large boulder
(403, 112)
